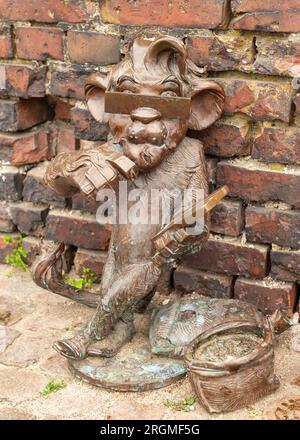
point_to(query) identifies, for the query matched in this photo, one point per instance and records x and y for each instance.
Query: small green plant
(185, 404)
(52, 387)
(87, 279)
(254, 413)
(17, 258)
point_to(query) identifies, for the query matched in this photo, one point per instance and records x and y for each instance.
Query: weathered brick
(277, 143)
(32, 245)
(77, 229)
(278, 55)
(211, 284)
(25, 148)
(6, 222)
(227, 137)
(20, 114)
(35, 191)
(259, 99)
(22, 80)
(252, 180)
(6, 47)
(211, 167)
(7, 246)
(231, 256)
(39, 43)
(221, 51)
(81, 203)
(62, 110)
(93, 260)
(48, 11)
(86, 127)
(285, 264)
(273, 226)
(297, 104)
(11, 183)
(65, 138)
(93, 48)
(69, 81)
(267, 295)
(29, 218)
(199, 13)
(269, 15)
(227, 218)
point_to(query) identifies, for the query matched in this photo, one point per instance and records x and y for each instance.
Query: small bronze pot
(237, 382)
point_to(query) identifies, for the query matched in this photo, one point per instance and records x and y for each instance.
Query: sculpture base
(134, 368)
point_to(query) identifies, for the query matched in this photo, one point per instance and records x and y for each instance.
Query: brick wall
(251, 48)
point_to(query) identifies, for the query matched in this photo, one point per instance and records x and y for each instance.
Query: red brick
(39, 43)
(81, 203)
(32, 245)
(25, 148)
(65, 138)
(269, 15)
(29, 218)
(278, 55)
(205, 283)
(63, 110)
(275, 143)
(35, 191)
(267, 295)
(222, 51)
(285, 264)
(6, 48)
(93, 260)
(16, 115)
(11, 183)
(86, 127)
(69, 81)
(261, 100)
(78, 230)
(251, 180)
(93, 48)
(231, 256)
(48, 11)
(6, 222)
(198, 13)
(227, 137)
(22, 80)
(273, 226)
(227, 218)
(7, 248)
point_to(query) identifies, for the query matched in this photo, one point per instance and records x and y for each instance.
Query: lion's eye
(169, 93)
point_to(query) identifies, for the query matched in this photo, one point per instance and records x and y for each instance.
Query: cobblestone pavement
(33, 318)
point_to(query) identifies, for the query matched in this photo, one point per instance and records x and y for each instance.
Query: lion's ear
(94, 90)
(207, 102)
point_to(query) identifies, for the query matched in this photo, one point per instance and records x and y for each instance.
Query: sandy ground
(28, 364)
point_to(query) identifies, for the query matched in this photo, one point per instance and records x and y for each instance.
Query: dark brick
(32, 245)
(39, 43)
(35, 191)
(6, 222)
(231, 256)
(16, 115)
(285, 264)
(267, 295)
(275, 143)
(93, 260)
(69, 81)
(228, 218)
(81, 203)
(22, 81)
(11, 183)
(78, 230)
(273, 226)
(211, 284)
(29, 218)
(86, 127)
(93, 48)
(253, 181)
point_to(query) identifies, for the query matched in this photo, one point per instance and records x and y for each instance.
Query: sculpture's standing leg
(130, 285)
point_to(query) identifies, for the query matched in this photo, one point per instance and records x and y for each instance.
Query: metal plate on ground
(133, 369)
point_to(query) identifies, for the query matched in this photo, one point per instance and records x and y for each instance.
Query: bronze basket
(233, 384)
